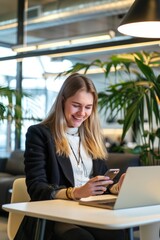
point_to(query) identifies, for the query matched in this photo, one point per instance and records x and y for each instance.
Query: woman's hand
(116, 187)
(95, 186)
(121, 180)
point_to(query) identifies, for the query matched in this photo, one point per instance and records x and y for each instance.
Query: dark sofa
(10, 169)
(13, 168)
(122, 161)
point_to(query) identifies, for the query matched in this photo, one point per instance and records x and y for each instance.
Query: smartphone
(111, 173)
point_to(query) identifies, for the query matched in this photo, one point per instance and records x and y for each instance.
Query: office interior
(41, 38)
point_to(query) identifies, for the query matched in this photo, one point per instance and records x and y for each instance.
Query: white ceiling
(48, 20)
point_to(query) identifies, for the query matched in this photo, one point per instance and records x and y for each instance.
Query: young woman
(64, 158)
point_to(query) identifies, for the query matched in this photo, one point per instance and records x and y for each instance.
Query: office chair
(19, 194)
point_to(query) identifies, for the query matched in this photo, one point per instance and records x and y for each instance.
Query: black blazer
(45, 170)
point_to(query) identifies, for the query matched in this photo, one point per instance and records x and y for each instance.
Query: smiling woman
(64, 158)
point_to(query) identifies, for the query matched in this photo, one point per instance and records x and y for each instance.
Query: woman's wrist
(76, 193)
(71, 193)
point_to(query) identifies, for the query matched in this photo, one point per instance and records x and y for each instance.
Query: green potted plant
(134, 94)
(11, 109)
(8, 108)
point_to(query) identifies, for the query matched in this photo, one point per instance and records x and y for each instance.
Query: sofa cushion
(15, 163)
(5, 175)
(3, 161)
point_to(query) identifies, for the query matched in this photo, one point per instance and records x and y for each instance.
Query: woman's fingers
(98, 184)
(95, 186)
(99, 190)
(100, 180)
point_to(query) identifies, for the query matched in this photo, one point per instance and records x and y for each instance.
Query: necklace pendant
(79, 170)
(78, 164)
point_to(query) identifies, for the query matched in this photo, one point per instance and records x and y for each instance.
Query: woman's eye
(89, 107)
(76, 106)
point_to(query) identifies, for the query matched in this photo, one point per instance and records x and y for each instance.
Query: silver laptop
(140, 188)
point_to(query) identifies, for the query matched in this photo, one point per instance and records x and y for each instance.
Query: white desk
(146, 218)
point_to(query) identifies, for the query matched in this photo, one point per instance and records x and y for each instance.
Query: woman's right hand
(95, 186)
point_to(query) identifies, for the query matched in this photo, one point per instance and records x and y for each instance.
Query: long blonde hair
(90, 131)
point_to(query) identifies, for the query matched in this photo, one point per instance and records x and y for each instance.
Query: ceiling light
(91, 39)
(53, 44)
(110, 47)
(142, 19)
(64, 43)
(24, 48)
(107, 49)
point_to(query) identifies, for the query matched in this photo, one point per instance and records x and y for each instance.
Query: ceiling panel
(103, 16)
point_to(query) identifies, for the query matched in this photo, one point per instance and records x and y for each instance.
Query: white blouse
(81, 162)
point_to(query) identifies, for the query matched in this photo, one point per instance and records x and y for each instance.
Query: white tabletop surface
(72, 212)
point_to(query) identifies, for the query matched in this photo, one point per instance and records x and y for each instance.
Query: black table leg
(129, 234)
(40, 229)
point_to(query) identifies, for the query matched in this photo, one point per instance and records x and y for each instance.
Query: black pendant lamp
(142, 19)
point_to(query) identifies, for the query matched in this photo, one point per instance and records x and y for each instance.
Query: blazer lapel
(66, 168)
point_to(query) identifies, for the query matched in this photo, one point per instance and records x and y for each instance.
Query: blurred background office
(41, 38)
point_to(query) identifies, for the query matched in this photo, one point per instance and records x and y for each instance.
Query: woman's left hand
(121, 180)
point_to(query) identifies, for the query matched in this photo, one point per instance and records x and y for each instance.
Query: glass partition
(8, 27)
(40, 86)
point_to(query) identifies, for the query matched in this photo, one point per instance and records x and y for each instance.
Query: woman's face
(78, 108)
